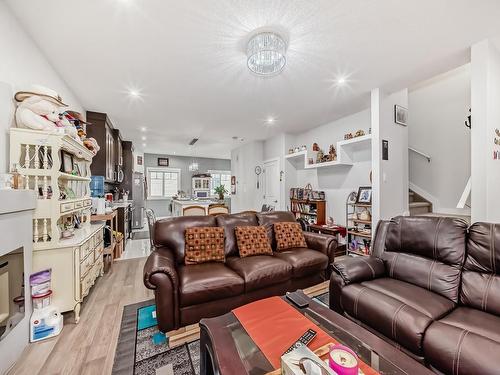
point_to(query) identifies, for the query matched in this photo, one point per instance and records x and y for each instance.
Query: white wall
(21, 65)
(485, 99)
(439, 107)
(390, 177)
(337, 182)
(244, 159)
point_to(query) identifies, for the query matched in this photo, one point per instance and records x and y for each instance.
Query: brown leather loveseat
(184, 294)
(432, 288)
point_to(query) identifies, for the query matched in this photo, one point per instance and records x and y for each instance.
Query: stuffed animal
(92, 145)
(38, 108)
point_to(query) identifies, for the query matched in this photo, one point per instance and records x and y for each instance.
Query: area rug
(143, 350)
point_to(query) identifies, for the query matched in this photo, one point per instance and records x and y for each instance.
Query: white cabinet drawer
(79, 204)
(65, 207)
(85, 249)
(87, 203)
(98, 253)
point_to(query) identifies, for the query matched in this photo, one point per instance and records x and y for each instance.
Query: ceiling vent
(193, 141)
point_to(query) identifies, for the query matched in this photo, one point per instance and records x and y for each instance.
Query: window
(163, 182)
(220, 178)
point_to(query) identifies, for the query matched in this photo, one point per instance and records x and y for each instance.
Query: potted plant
(221, 190)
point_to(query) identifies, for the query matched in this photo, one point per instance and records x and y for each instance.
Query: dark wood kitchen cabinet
(128, 166)
(118, 147)
(104, 162)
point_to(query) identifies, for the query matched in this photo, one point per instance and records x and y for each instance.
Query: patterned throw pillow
(252, 240)
(204, 244)
(288, 236)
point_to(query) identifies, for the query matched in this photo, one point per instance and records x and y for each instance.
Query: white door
(272, 184)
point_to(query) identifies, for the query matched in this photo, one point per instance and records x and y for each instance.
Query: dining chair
(217, 209)
(194, 211)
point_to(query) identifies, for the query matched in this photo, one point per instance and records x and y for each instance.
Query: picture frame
(364, 195)
(66, 162)
(139, 159)
(400, 115)
(163, 162)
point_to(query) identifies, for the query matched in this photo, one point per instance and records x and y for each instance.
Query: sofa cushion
(431, 304)
(200, 283)
(260, 271)
(267, 219)
(467, 341)
(170, 233)
(288, 236)
(425, 251)
(481, 275)
(229, 222)
(398, 310)
(204, 244)
(252, 241)
(304, 261)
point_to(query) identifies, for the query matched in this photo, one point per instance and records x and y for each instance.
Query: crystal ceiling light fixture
(266, 54)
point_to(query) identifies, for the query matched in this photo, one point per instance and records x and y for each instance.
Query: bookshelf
(314, 211)
(359, 230)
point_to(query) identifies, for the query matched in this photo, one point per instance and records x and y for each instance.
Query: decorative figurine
(333, 153)
(320, 156)
(359, 133)
(315, 147)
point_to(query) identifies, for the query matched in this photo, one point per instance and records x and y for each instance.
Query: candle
(343, 360)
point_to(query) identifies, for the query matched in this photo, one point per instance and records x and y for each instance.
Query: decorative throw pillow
(204, 244)
(252, 240)
(288, 236)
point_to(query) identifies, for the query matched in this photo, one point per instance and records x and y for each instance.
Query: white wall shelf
(345, 154)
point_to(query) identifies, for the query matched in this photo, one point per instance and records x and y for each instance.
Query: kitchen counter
(179, 205)
(121, 204)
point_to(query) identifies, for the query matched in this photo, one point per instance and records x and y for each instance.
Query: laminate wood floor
(89, 346)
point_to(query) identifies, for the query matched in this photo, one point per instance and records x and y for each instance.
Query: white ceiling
(187, 58)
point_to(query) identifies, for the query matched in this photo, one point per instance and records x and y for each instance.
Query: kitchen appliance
(138, 196)
(119, 174)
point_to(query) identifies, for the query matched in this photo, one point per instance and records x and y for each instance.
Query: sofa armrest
(160, 274)
(350, 271)
(160, 261)
(359, 269)
(322, 242)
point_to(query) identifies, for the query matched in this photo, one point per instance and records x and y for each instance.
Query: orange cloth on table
(274, 326)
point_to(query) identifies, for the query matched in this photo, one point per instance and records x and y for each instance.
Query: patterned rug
(143, 350)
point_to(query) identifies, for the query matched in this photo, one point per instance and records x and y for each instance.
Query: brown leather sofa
(184, 294)
(432, 288)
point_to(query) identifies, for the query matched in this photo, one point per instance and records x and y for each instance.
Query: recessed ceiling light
(143, 145)
(143, 138)
(135, 94)
(270, 120)
(341, 81)
(143, 129)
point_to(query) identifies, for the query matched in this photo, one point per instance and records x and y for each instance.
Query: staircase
(418, 205)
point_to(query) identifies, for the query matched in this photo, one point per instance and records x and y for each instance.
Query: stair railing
(420, 153)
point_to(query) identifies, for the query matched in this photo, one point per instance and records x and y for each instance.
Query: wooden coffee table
(226, 348)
